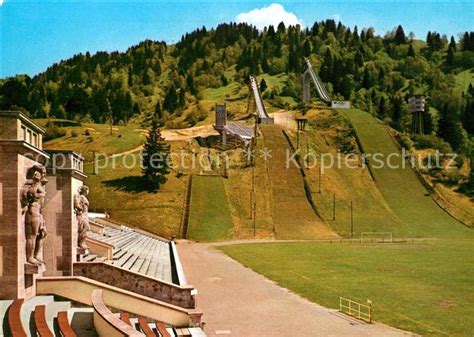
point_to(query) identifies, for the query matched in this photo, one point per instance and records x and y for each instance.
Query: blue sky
(36, 34)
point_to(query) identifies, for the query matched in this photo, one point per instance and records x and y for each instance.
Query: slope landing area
(293, 216)
(419, 215)
(422, 285)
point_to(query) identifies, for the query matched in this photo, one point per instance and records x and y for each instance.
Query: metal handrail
(356, 309)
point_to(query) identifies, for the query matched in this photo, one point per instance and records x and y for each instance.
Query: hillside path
(239, 302)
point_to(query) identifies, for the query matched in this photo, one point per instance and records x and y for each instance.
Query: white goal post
(376, 237)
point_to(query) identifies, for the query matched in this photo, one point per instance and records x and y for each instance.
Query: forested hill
(376, 73)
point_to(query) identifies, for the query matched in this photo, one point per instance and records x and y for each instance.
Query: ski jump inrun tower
(310, 75)
(262, 114)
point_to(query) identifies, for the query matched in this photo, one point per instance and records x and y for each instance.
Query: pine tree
(327, 66)
(450, 57)
(366, 79)
(182, 99)
(400, 37)
(224, 80)
(396, 102)
(359, 58)
(146, 77)
(452, 43)
(470, 90)
(411, 51)
(158, 113)
(155, 159)
(190, 84)
(136, 108)
(429, 40)
(307, 48)
(468, 117)
(263, 85)
(347, 87)
(171, 100)
(449, 127)
(130, 76)
(428, 125)
(382, 108)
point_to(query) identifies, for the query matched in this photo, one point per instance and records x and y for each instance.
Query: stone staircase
(46, 317)
(136, 252)
(35, 317)
(153, 329)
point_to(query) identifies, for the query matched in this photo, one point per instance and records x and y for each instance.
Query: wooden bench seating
(124, 316)
(42, 327)
(143, 323)
(162, 329)
(14, 319)
(64, 326)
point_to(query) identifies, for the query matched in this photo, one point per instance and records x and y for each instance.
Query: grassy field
(119, 190)
(424, 287)
(418, 214)
(98, 139)
(464, 78)
(210, 217)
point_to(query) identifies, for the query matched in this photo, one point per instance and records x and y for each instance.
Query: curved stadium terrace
(113, 281)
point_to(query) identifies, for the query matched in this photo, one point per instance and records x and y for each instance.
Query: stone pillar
(221, 116)
(20, 149)
(65, 177)
(306, 86)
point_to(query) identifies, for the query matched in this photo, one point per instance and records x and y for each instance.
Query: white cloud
(271, 15)
(1, 2)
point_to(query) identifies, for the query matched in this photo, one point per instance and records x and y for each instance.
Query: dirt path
(238, 302)
(174, 135)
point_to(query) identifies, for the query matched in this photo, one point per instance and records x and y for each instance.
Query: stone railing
(106, 323)
(182, 296)
(100, 248)
(80, 289)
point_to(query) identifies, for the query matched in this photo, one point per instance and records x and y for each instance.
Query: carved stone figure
(81, 207)
(32, 200)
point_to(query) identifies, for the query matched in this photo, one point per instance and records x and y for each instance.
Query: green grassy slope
(293, 216)
(118, 189)
(424, 287)
(323, 135)
(464, 78)
(419, 214)
(210, 217)
(90, 137)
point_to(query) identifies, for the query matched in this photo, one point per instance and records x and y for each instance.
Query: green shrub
(53, 131)
(175, 124)
(344, 141)
(431, 142)
(404, 140)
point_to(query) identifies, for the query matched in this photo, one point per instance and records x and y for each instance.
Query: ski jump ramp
(310, 75)
(262, 114)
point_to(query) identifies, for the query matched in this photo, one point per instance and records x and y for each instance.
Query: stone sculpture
(81, 207)
(32, 198)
